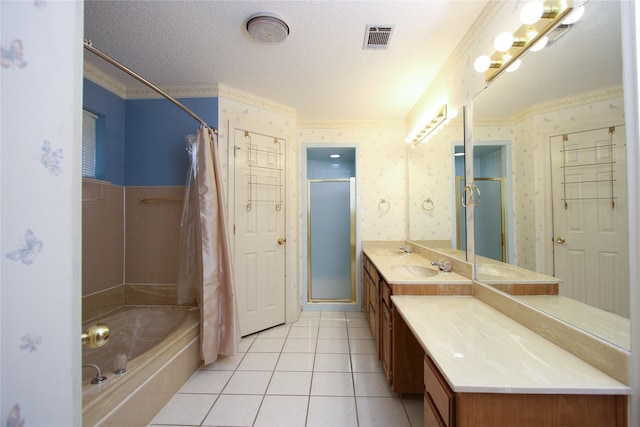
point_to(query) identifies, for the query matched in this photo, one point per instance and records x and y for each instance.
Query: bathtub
(162, 348)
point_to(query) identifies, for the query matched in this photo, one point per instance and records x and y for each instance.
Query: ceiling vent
(377, 37)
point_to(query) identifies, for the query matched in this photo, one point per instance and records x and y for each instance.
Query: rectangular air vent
(377, 36)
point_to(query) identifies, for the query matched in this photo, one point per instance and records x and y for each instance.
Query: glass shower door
(331, 240)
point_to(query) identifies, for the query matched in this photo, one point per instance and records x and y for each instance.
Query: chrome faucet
(443, 265)
(99, 377)
(406, 249)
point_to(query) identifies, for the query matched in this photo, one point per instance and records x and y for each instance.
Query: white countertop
(478, 349)
(384, 258)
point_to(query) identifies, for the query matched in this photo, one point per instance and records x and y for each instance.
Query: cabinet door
(386, 333)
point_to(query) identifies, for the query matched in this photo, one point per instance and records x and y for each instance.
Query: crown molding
(103, 80)
(234, 94)
(555, 105)
(351, 124)
(195, 91)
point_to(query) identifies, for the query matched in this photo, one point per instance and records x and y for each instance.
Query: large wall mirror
(549, 159)
(435, 172)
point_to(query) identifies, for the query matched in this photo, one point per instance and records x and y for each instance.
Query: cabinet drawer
(431, 416)
(385, 292)
(439, 391)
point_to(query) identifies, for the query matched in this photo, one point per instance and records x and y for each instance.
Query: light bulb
(482, 63)
(574, 15)
(540, 44)
(514, 66)
(531, 12)
(503, 41)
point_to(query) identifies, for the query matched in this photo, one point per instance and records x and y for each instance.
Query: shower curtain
(205, 272)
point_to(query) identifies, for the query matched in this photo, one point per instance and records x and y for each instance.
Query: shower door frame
(327, 305)
(352, 243)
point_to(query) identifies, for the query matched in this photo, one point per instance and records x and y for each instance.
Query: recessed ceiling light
(334, 156)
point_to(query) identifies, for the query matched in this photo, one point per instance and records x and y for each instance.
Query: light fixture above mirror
(539, 19)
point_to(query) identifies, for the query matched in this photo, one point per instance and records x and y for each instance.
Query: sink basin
(414, 271)
(497, 271)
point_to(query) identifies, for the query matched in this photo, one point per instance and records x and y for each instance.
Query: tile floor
(320, 371)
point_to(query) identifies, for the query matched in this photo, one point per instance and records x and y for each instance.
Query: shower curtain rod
(90, 48)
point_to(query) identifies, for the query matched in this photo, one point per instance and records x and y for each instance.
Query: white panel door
(259, 254)
(590, 217)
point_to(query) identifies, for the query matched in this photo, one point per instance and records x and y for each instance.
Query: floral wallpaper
(381, 172)
(39, 245)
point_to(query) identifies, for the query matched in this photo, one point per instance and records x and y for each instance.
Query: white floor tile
(203, 381)
(267, 345)
(245, 344)
(355, 315)
(233, 410)
(372, 385)
(362, 346)
(290, 383)
(332, 333)
(185, 409)
(303, 332)
(381, 412)
(359, 333)
(299, 345)
(306, 321)
(365, 363)
(333, 322)
(283, 411)
(295, 362)
(332, 384)
(225, 363)
(248, 382)
(415, 410)
(315, 314)
(332, 346)
(332, 362)
(327, 411)
(275, 332)
(259, 362)
(332, 315)
(358, 322)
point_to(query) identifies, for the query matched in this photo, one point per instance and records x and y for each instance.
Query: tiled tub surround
(483, 354)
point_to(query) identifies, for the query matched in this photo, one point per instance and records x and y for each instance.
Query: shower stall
(331, 271)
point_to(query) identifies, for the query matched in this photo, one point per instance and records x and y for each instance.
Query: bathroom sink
(497, 271)
(414, 271)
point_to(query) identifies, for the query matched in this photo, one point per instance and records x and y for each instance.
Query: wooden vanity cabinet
(444, 408)
(370, 280)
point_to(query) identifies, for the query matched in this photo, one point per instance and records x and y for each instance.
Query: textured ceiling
(321, 70)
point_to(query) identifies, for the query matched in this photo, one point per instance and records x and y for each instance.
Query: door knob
(560, 239)
(282, 241)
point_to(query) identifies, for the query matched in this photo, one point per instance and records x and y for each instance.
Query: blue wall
(111, 132)
(155, 129)
(144, 139)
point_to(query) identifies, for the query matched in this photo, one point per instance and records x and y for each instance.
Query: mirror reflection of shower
(331, 263)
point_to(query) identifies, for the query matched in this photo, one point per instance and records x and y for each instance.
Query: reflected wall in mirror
(435, 168)
(561, 119)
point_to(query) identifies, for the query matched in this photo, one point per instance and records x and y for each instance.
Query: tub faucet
(99, 377)
(406, 249)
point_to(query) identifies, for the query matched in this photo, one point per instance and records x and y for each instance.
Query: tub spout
(99, 377)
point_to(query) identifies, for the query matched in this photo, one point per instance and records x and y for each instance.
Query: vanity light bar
(555, 12)
(432, 126)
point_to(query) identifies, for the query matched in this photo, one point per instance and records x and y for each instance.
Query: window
(89, 121)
